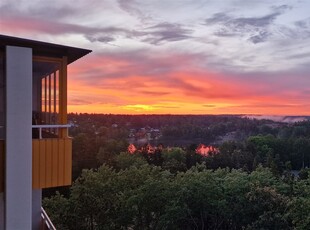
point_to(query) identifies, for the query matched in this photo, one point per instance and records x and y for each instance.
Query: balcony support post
(63, 97)
(18, 142)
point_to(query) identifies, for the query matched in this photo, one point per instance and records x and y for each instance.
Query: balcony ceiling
(44, 49)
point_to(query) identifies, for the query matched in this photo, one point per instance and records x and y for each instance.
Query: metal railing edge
(46, 220)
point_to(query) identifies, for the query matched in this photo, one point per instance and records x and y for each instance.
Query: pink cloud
(140, 79)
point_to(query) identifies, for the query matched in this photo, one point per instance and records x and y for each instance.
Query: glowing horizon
(206, 58)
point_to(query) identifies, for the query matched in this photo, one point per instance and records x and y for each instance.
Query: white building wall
(1, 131)
(1, 211)
(36, 208)
(2, 96)
(18, 174)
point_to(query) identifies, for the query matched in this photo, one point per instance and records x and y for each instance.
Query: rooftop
(44, 49)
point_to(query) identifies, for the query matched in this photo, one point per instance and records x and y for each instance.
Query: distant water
(286, 119)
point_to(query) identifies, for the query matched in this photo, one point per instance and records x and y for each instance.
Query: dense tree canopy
(149, 197)
(247, 183)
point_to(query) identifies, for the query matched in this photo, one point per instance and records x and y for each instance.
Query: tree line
(137, 195)
(282, 145)
(247, 184)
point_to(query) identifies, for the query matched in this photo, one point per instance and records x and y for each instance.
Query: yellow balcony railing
(51, 162)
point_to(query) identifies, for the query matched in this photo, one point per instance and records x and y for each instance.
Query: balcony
(51, 159)
(46, 223)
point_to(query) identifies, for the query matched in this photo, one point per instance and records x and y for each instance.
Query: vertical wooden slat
(52, 162)
(35, 163)
(48, 163)
(42, 164)
(68, 162)
(61, 161)
(55, 162)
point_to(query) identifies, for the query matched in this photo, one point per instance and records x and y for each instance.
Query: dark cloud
(41, 11)
(52, 19)
(266, 105)
(54, 27)
(103, 39)
(303, 24)
(153, 93)
(165, 107)
(209, 106)
(256, 29)
(299, 56)
(131, 7)
(158, 34)
(260, 37)
(302, 30)
(218, 18)
(224, 32)
(281, 8)
(240, 23)
(166, 32)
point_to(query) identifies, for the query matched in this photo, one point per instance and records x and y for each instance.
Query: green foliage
(247, 185)
(84, 149)
(300, 205)
(110, 150)
(174, 159)
(58, 207)
(125, 160)
(148, 197)
(93, 197)
(304, 174)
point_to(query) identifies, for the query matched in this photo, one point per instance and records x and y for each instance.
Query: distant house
(35, 150)
(150, 149)
(206, 150)
(131, 148)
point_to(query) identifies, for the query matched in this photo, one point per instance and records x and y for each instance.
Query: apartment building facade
(35, 149)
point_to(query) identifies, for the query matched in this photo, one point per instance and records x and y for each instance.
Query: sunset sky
(176, 56)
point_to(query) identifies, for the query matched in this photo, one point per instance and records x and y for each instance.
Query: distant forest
(259, 168)
(243, 142)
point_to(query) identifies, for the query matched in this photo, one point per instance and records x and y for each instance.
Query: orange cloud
(119, 84)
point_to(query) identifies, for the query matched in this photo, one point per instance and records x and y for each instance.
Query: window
(47, 73)
(50, 98)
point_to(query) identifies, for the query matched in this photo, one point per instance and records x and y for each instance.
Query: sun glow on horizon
(189, 108)
(139, 108)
